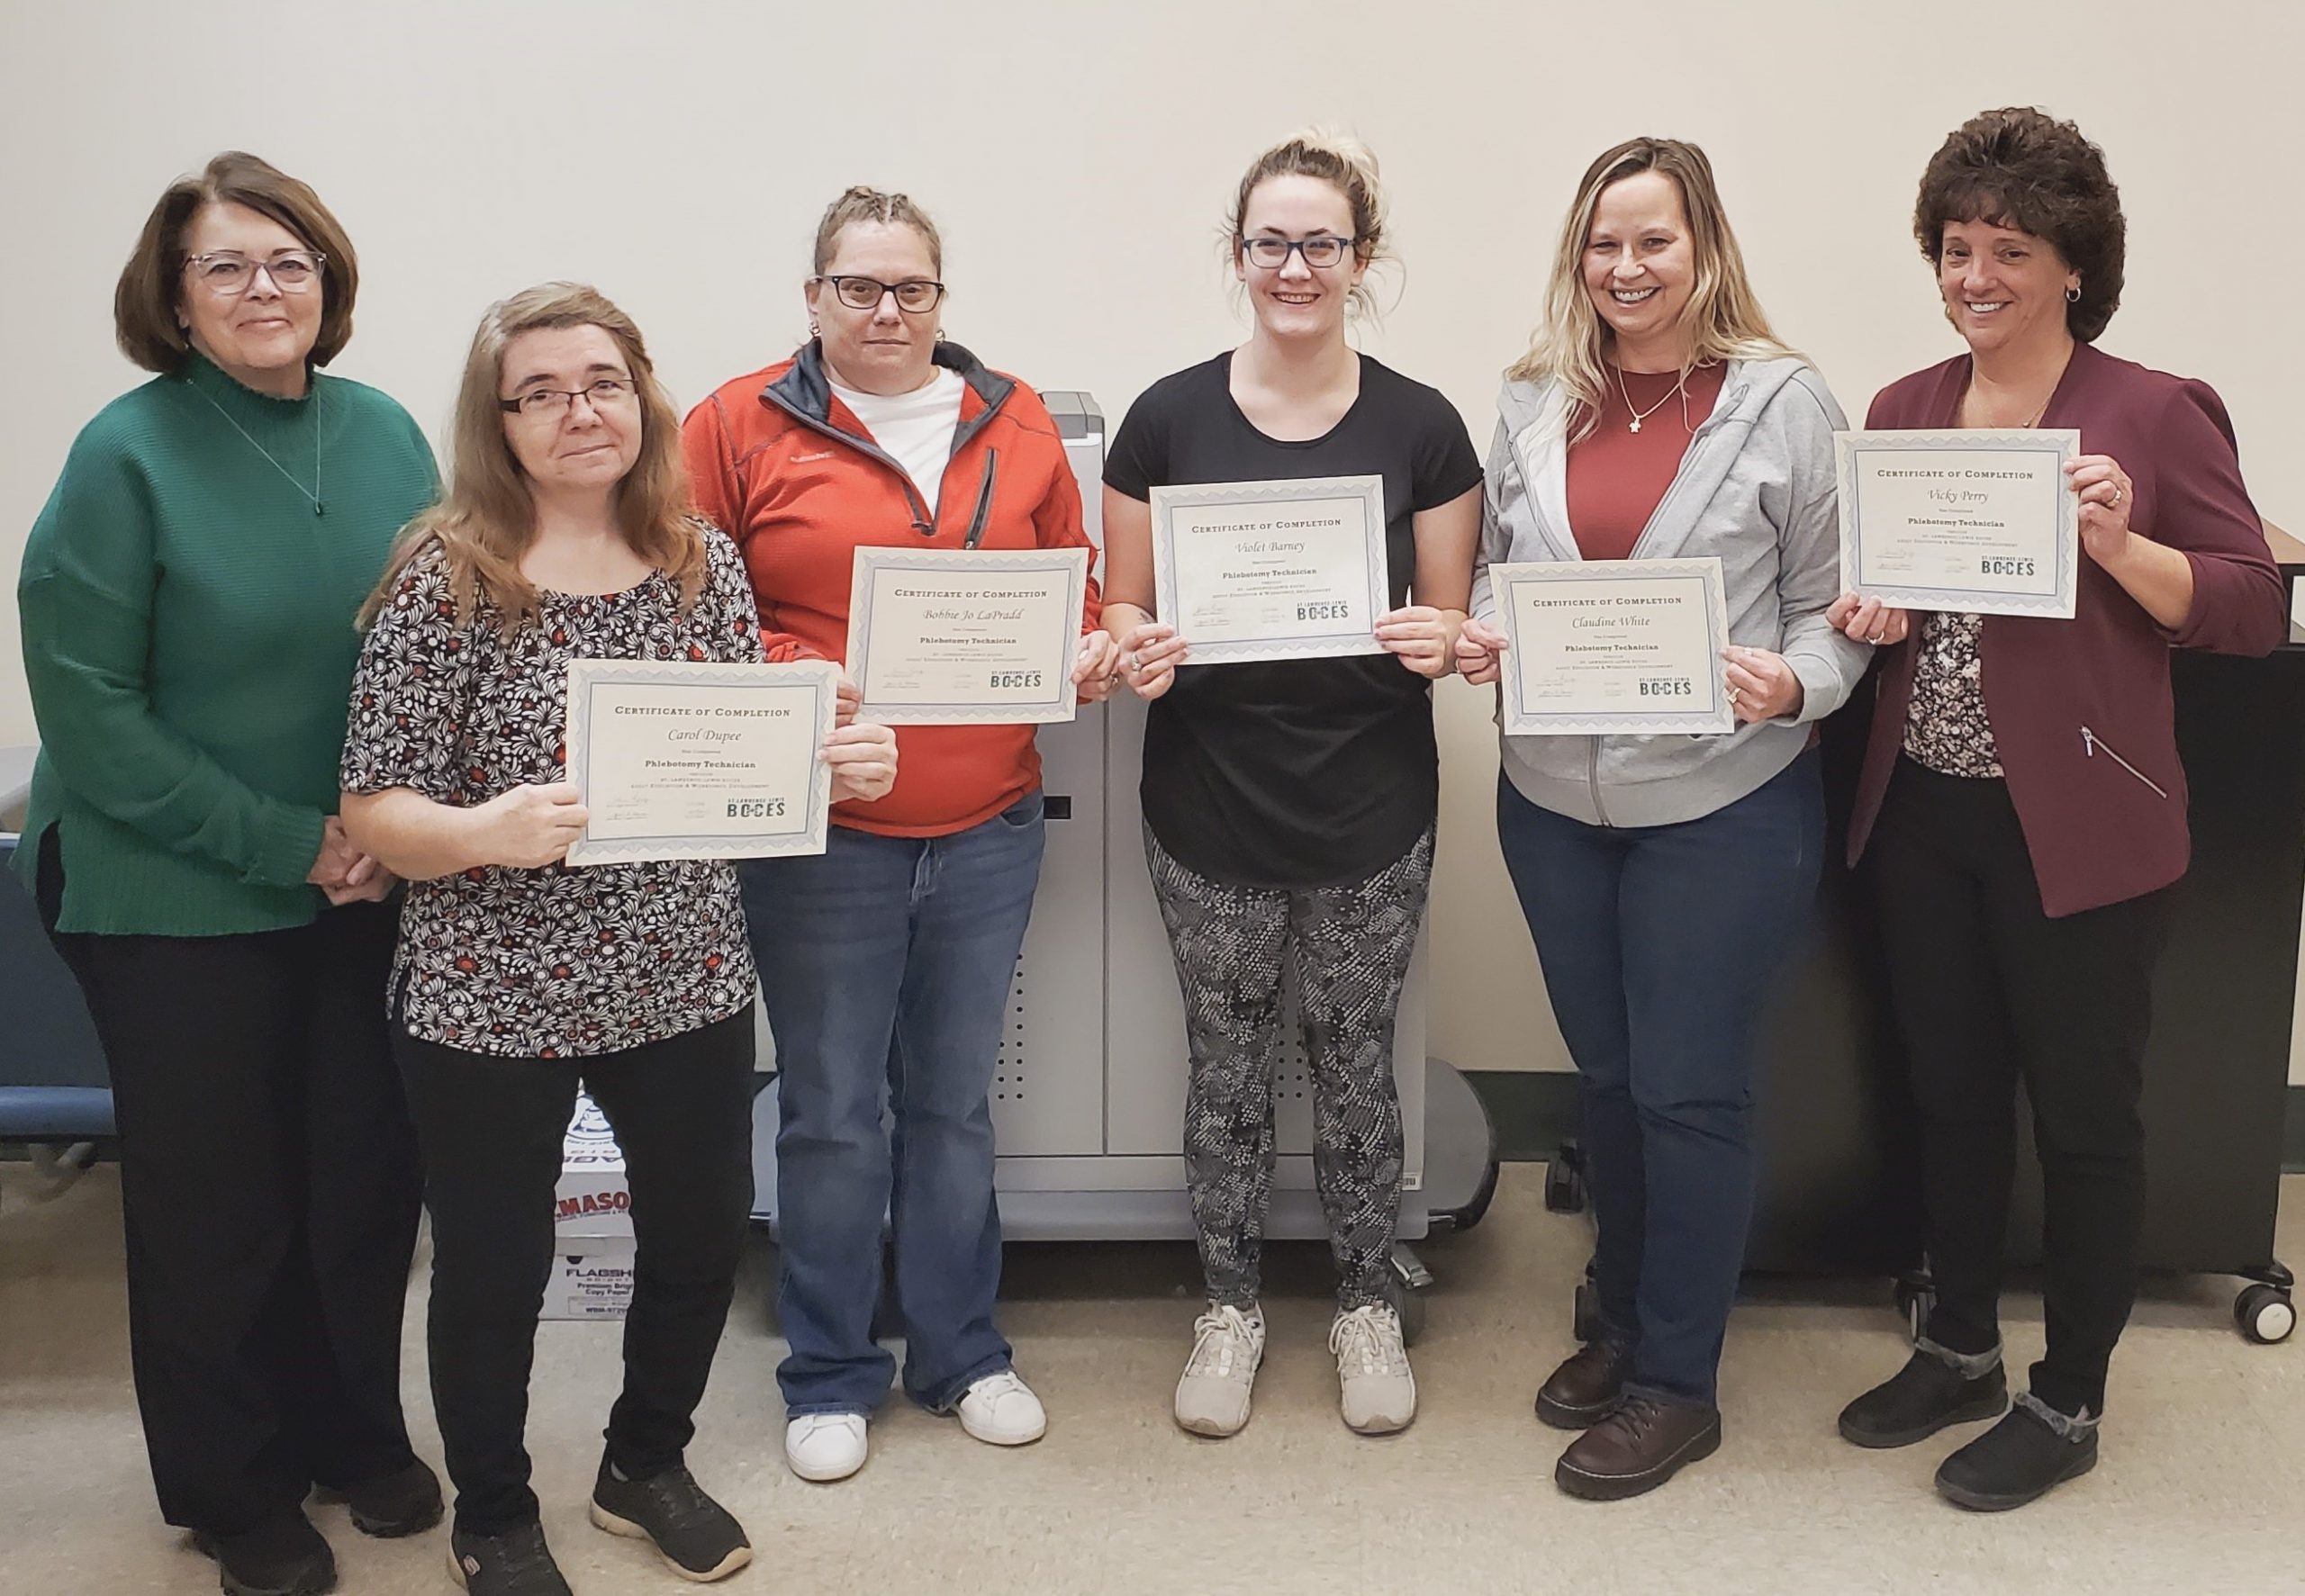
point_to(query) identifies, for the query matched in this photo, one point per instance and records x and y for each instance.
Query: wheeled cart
(1088, 1093)
(1839, 1184)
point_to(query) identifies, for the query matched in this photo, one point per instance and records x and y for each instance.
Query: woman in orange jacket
(886, 961)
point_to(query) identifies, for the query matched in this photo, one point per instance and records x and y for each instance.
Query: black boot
(2032, 1450)
(406, 1501)
(284, 1557)
(1934, 1389)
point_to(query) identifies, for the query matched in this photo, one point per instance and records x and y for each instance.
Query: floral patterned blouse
(1946, 725)
(566, 961)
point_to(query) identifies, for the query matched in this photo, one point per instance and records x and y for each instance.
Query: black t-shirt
(1294, 774)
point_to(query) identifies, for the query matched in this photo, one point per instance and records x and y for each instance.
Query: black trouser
(1988, 991)
(269, 1187)
(491, 1129)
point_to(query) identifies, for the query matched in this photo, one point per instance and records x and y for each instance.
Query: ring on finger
(2115, 501)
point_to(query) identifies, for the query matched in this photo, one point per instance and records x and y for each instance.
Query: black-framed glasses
(539, 403)
(914, 295)
(1321, 250)
(228, 274)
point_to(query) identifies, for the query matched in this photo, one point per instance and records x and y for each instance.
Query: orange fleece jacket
(790, 472)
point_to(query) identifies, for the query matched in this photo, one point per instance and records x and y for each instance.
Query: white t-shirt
(916, 429)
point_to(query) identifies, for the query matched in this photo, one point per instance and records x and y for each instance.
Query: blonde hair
(1724, 317)
(1339, 159)
(861, 204)
(485, 520)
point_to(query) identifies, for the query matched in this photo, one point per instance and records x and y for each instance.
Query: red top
(2062, 695)
(790, 474)
(1616, 475)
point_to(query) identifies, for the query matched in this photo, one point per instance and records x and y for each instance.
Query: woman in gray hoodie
(1664, 876)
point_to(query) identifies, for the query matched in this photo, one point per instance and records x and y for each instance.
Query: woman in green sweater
(188, 602)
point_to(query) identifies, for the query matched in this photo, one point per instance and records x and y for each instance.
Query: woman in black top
(1288, 804)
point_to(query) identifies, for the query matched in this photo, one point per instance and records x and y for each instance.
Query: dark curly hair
(2020, 168)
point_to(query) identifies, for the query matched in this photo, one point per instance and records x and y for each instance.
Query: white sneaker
(1001, 1410)
(1378, 1393)
(1213, 1393)
(824, 1446)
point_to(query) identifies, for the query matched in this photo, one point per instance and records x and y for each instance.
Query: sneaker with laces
(1001, 1410)
(825, 1447)
(516, 1563)
(698, 1538)
(1213, 1393)
(1378, 1393)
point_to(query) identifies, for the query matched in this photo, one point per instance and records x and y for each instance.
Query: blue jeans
(1660, 945)
(885, 968)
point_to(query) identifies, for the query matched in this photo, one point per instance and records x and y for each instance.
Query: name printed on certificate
(1613, 646)
(1958, 519)
(1272, 570)
(965, 637)
(699, 761)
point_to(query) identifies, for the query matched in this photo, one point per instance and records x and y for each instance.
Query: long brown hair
(1724, 316)
(486, 519)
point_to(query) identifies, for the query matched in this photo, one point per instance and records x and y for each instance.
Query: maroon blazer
(2066, 696)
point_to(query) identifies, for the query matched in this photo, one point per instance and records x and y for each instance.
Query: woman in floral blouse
(565, 534)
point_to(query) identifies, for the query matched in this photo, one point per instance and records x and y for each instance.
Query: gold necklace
(1639, 415)
(312, 493)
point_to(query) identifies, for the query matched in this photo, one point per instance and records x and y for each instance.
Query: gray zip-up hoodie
(1755, 487)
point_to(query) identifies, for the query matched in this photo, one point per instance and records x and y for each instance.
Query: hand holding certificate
(1613, 646)
(964, 636)
(681, 761)
(1272, 570)
(1964, 520)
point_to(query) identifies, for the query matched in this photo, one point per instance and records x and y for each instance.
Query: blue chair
(55, 1096)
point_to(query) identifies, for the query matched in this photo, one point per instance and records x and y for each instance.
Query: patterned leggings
(1348, 949)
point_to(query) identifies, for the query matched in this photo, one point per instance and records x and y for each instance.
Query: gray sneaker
(1227, 1346)
(1378, 1393)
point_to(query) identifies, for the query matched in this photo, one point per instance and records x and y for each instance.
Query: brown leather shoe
(1585, 1386)
(1638, 1447)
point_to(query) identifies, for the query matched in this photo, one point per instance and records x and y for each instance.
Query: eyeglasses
(915, 295)
(1272, 254)
(539, 403)
(228, 276)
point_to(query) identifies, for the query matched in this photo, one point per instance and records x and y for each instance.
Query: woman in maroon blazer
(2024, 802)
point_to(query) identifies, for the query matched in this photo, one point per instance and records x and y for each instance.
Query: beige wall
(1078, 157)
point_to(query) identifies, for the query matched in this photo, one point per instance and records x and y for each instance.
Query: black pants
(1989, 991)
(268, 1188)
(491, 1130)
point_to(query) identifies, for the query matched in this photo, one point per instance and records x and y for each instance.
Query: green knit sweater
(189, 642)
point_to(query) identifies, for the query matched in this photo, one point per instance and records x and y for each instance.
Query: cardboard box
(592, 1201)
(591, 1284)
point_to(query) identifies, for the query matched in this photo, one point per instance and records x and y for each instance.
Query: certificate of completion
(1979, 521)
(1272, 570)
(962, 637)
(681, 761)
(1613, 645)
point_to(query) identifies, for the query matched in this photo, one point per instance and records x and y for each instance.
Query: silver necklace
(1639, 415)
(312, 493)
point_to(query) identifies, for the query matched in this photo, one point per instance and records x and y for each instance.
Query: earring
(814, 331)
(940, 335)
(2073, 294)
